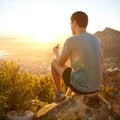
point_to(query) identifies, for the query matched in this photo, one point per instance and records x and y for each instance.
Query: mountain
(110, 41)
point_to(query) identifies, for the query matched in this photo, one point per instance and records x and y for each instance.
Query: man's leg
(57, 79)
(57, 72)
(69, 92)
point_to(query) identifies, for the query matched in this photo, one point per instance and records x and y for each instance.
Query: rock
(13, 115)
(104, 105)
(68, 109)
(111, 118)
(91, 118)
(77, 107)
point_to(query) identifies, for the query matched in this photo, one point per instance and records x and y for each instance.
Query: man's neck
(80, 30)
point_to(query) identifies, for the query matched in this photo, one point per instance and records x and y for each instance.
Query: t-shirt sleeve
(66, 51)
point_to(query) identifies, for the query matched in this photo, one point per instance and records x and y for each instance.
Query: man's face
(73, 24)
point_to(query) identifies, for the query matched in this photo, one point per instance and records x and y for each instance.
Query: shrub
(46, 89)
(19, 88)
(108, 91)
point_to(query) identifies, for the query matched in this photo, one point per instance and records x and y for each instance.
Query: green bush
(18, 89)
(108, 91)
(44, 88)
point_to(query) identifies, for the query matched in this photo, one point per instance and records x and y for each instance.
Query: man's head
(78, 19)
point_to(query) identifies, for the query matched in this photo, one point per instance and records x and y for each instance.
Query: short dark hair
(81, 18)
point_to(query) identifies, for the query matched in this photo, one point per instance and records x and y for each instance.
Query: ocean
(3, 54)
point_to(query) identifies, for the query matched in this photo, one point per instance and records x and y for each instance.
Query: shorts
(66, 79)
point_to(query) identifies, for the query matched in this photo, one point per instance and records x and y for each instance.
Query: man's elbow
(60, 63)
(62, 60)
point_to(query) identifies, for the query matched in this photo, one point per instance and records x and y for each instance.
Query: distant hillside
(111, 42)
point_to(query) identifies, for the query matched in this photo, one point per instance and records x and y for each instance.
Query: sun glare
(44, 38)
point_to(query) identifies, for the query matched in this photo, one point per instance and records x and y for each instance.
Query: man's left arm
(61, 59)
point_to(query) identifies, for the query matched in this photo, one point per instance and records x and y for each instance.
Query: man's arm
(61, 59)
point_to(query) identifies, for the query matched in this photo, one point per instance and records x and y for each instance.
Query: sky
(46, 18)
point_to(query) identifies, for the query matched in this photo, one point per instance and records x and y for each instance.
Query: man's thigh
(59, 69)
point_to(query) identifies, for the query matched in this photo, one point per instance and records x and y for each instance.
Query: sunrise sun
(44, 38)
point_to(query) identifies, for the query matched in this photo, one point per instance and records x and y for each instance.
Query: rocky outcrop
(78, 108)
(111, 83)
(98, 106)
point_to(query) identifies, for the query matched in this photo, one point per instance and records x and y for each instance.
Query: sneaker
(59, 96)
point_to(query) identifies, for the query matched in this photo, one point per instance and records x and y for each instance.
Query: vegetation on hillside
(20, 90)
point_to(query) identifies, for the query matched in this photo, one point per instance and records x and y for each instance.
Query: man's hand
(56, 49)
(59, 58)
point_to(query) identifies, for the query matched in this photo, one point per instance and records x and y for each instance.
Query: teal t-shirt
(85, 53)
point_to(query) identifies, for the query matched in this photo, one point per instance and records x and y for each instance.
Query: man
(84, 76)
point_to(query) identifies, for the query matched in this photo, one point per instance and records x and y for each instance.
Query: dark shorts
(66, 79)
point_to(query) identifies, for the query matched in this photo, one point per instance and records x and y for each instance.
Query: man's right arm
(62, 60)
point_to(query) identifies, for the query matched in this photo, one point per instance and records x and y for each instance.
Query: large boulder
(78, 107)
(104, 105)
